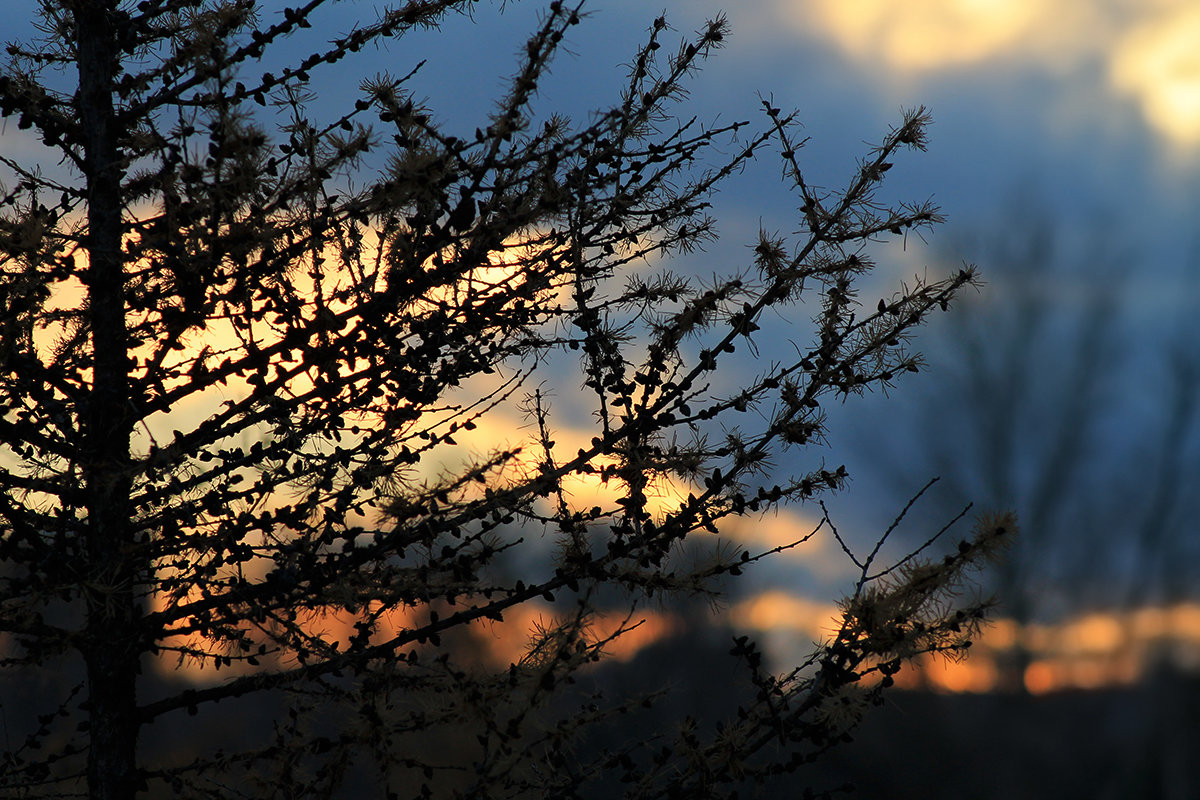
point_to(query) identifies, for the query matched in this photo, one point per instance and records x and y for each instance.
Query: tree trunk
(110, 645)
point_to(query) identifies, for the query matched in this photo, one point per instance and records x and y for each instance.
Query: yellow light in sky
(926, 34)
(1159, 63)
(1151, 48)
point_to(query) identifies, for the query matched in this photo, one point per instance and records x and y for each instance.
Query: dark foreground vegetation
(247, 333)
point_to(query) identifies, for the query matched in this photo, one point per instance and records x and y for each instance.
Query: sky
(1078, 116)
(1092, 106)
(1081, 116)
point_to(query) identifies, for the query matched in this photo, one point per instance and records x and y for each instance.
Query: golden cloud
(1150, 47)
(926, 35)
(1158, 62)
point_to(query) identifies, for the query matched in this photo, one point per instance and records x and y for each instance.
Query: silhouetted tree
(238, 351)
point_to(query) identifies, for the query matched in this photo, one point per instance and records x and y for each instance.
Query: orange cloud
(1090, 651)
(781, 611)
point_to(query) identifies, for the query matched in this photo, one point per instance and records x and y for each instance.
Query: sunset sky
(1082, 113)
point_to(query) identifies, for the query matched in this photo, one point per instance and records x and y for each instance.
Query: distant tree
(1054, 382)
(237, 348)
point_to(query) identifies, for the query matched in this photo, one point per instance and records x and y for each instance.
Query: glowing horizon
(1091, 650)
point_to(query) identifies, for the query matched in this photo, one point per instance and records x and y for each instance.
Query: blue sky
(1082, 114)
(1093, 105)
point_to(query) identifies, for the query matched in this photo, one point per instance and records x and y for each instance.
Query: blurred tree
(1054, 383)
(238, 354)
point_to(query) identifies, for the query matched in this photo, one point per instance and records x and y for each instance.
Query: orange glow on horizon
(1091, 651)
(488, 643)
(969, 675)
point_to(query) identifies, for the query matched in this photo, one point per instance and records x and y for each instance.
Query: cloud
(783, 526)
(1145, 49)
(785, 611)
(1158, 62)
(926, 35)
